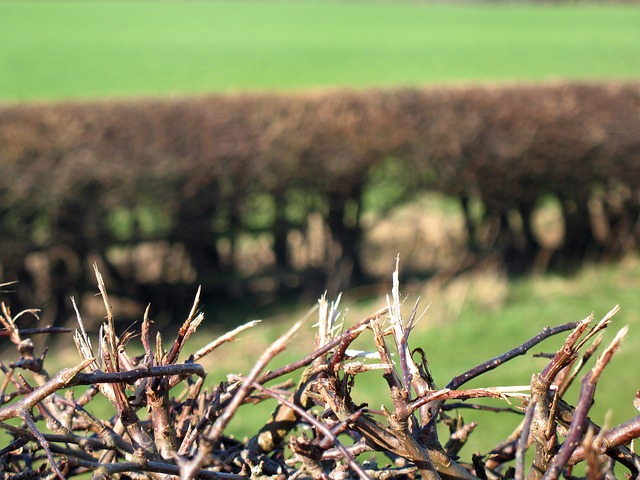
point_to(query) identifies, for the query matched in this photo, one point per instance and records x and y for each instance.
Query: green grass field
(77, 49)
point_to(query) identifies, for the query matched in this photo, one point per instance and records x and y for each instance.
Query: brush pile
(168, 424)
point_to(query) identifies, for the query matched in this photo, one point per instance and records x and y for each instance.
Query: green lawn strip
(55, 50)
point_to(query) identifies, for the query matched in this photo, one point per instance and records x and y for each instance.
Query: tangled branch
(168, 423)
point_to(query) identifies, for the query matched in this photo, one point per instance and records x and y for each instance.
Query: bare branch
(227, 337)
(247, 385)
(321, 427)
(576, 430)
(495, 362)
(62, 379)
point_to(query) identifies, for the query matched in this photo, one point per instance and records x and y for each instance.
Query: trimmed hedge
(155, 414)
(205, 172)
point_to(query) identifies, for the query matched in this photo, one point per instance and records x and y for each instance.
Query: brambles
(317, 430)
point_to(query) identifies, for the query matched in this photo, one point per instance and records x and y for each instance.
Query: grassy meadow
(76, 49)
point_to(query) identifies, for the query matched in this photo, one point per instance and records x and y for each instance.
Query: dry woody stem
(167, 420)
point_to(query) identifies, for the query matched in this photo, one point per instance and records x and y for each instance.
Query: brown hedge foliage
(201, 172)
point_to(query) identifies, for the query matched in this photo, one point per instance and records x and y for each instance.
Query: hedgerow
(203, 174)
(168, 422)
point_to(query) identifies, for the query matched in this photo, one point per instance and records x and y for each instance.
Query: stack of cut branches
(168, 425)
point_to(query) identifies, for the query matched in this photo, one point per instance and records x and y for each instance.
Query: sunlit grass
(76, 49)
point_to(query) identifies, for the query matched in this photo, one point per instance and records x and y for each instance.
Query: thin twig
(227, 337)
(37, 331)
(27, 418)
(247, 385)
(523, 441)
(495, 362)
(321, 427)
(576, 430)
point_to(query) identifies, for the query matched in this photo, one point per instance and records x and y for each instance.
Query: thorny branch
(317, 429)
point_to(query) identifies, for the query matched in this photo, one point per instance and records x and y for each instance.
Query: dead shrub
(317, 430)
